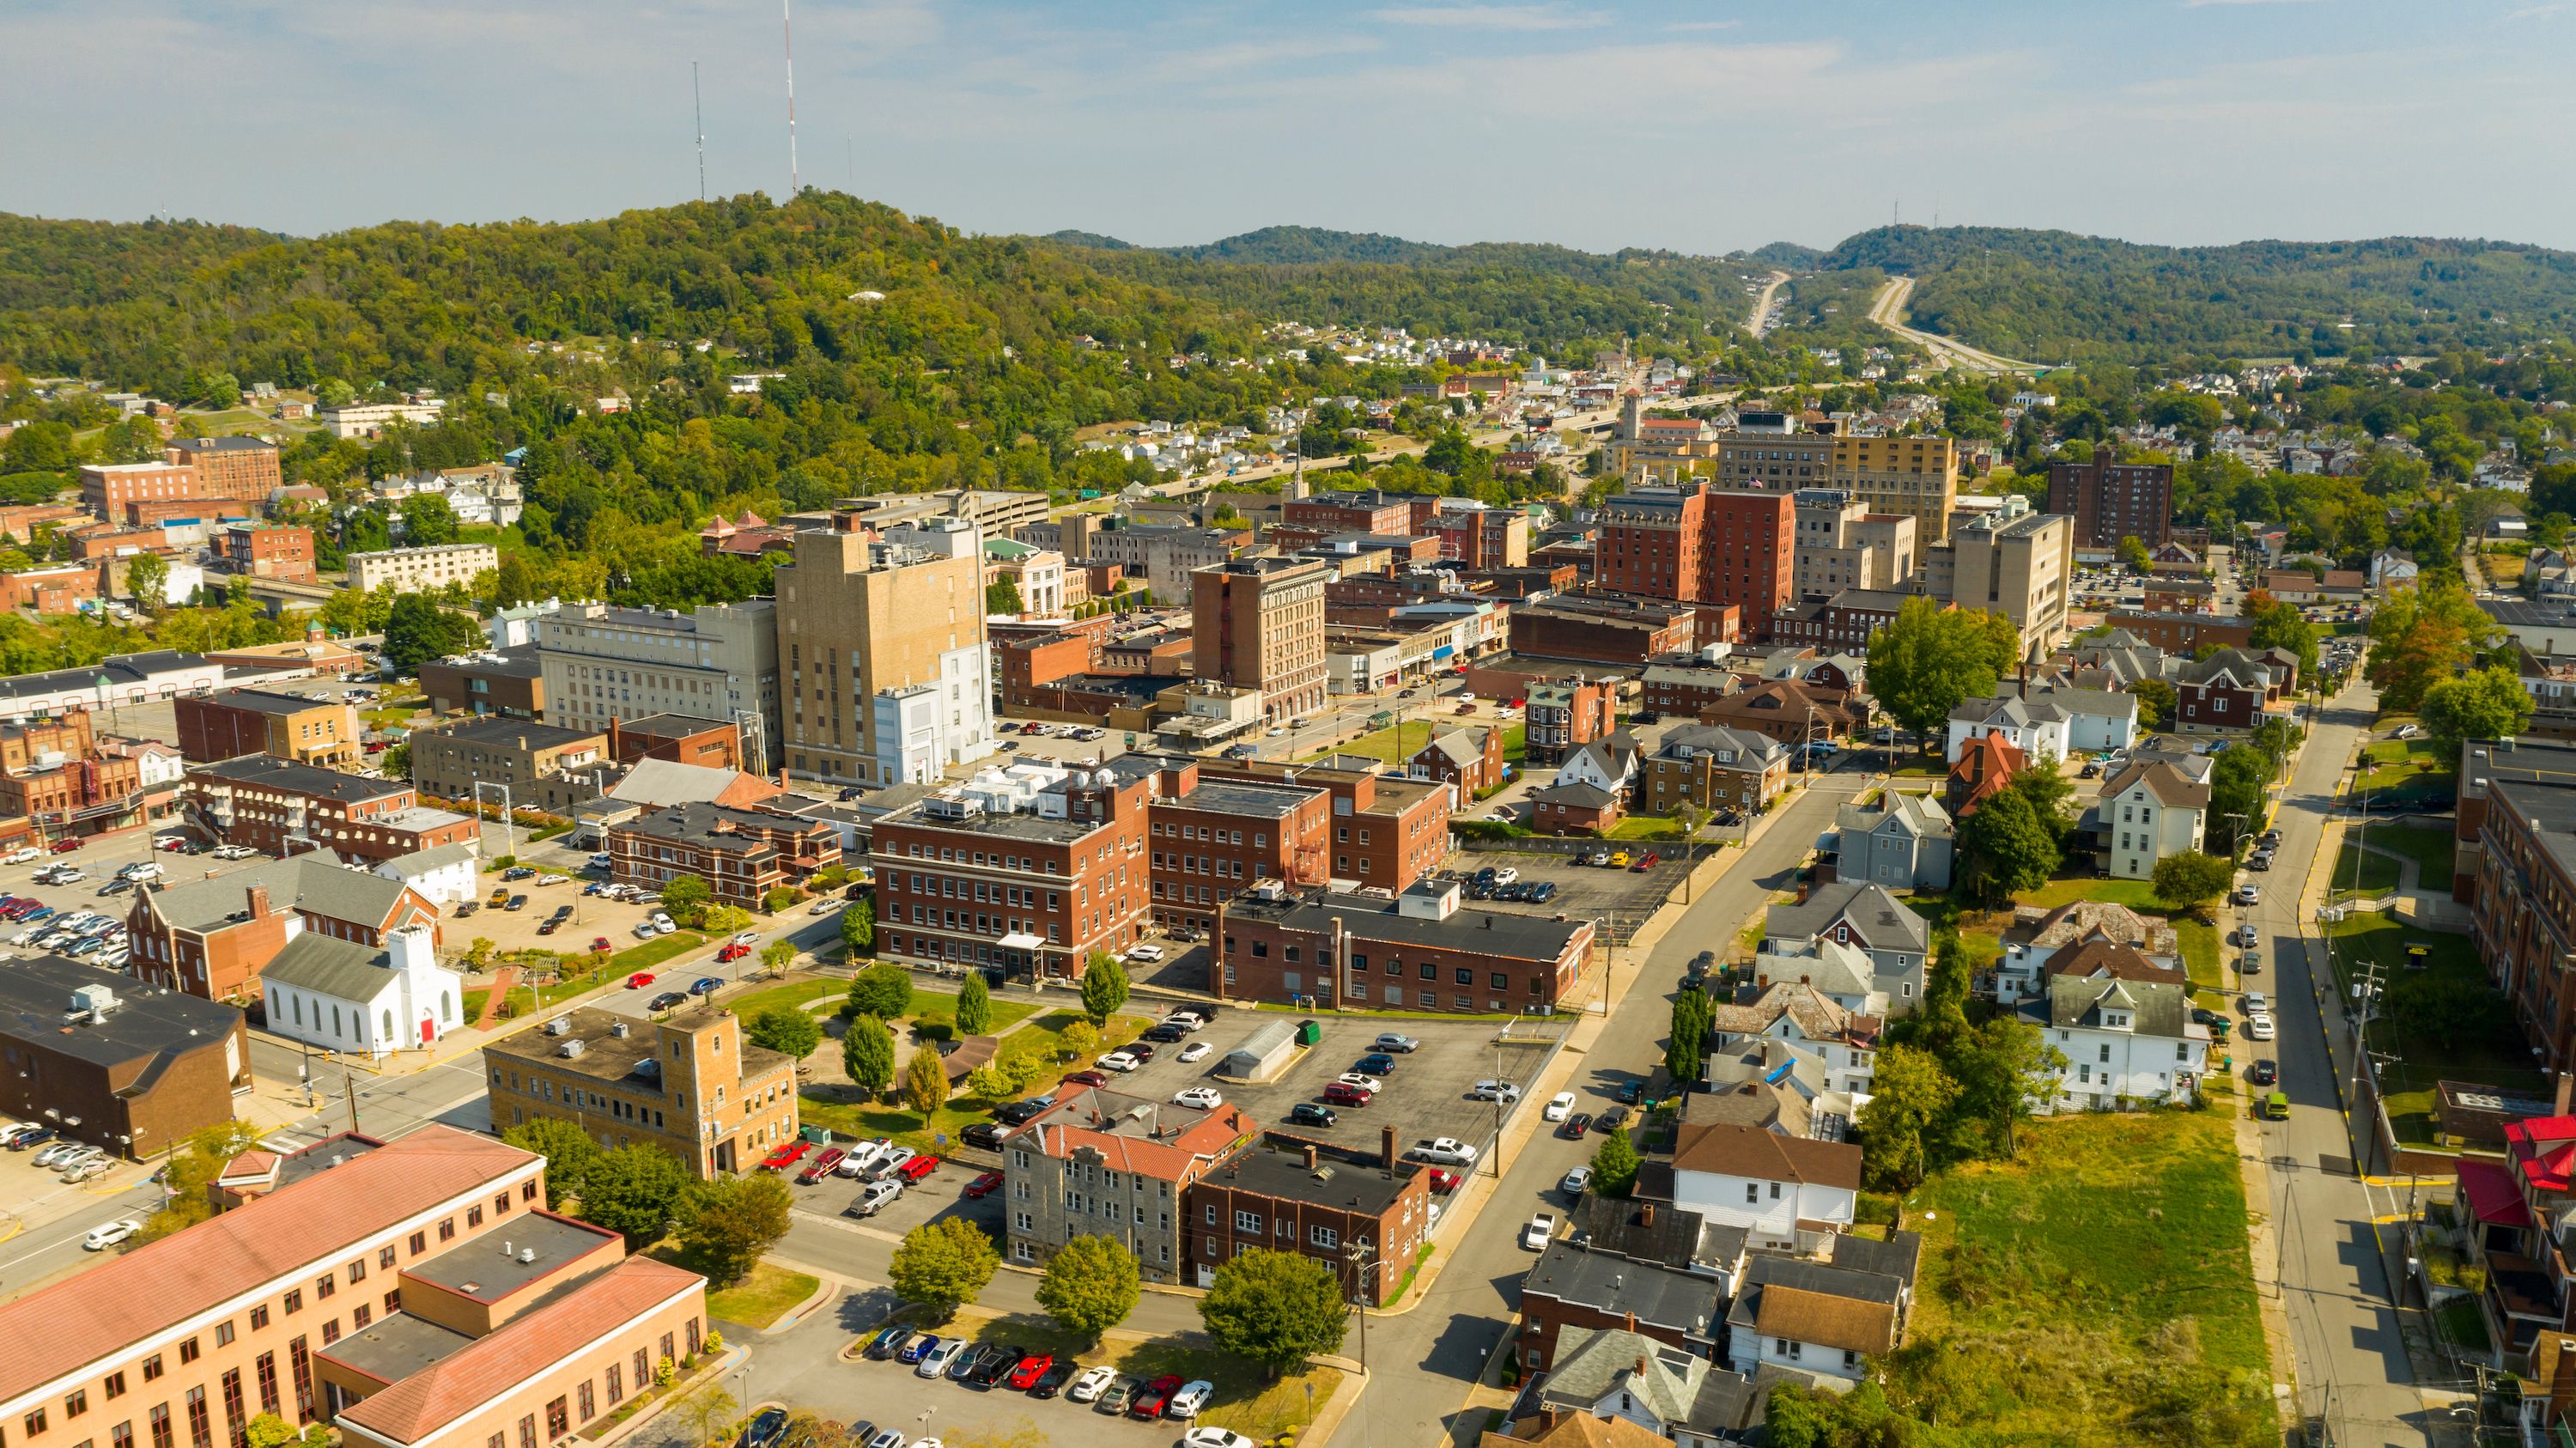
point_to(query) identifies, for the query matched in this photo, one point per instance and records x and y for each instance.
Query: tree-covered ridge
(2055, 295)
(83, 263)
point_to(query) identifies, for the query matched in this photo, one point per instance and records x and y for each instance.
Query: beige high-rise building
(882, 672)
(1901, 474)
(1258, 623)
(2017, 563)
(1842, 544)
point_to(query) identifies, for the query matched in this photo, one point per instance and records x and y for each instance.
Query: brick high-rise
(1258, 623)
(2110, 501)
(245, 468)
(1693, 545)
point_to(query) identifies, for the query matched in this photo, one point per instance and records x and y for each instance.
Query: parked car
(917, 1168)
(88, 1168)
(996, 1366)
(1559, 1107)
(2249, 894)
(1155, 1398)
(1147, 953)
(1611, 1120)
(873, 1197)
(2263, 1073)
(1364, 1082)
(765, 1430)
(1205, 1098)
(1085, 1078)
(1307, 1113)
(1118, 1061)
(1217, 1437)
(1577, 1124)
(986, 1135)
(1536, 1234)
(1494, 1091)
(2258, 1027)
(667, 1000)
(1090, 1385)
(639, 980)
(1575, 1182)
(1443, 1180)
(941, 1357)
(823, 1165)
(1195, 1051)
(1059, 1372)
(1186, 1403)
(1340, 1094)
(918, 1348)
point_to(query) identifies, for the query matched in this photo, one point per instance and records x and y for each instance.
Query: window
(330, 1332)
(419, 1243)
(266, 1367)
(152, 1364)
(361, 1316)
(1325, 1237)
(116, 1385)
(558, 1421)
(385, 1259)
(1752, 1193)
(236, 1418)
(1247, 1221)
(76, 1402)
(528, 1431)
(161, 1437)
(121, 1436)
(643, 1369)
(447, 1230)
(35, 1422)
(589, 1405)
(300, 1360)
(223, 1334)
(201, 1428)
(474, 1216)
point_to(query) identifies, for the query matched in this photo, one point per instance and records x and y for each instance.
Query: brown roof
(128, 1298)
(439, 1394)
(1844, 1322)
(1746, 1152)
(1577, 1430)
(2090, 920)
(1067, 1127)
(2111, 959)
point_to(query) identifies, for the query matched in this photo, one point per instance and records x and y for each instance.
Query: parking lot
(899, 1396)
(1618, 898)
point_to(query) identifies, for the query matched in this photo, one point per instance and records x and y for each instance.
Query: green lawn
(647, 954)
(800, 993)
(2136, 894)
(1644, 827)
(756, 1301)
(2481, 1043)
(2200, 957)
(2367, 873)
(1396, 744)
(2032, 1327)
(825, 1105)
(2401, 763)
(2429, 847)
(932, 1007)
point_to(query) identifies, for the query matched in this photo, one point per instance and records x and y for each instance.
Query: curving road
(1888, 311)
(1760, 321)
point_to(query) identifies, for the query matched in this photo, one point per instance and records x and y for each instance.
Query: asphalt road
(2335, 1282)
(1888, 311)
(1421, 1360)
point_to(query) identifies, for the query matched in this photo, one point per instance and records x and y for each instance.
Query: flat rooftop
(1225, 796)
(492, 1267)
(609, 1057)
(1503, 934)
(264, 772)
(394, 1347)
(495, 730)
(1283, 1173)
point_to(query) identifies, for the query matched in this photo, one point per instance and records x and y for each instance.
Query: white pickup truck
(1444, 1151)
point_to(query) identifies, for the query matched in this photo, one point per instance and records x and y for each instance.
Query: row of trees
(645, 1193)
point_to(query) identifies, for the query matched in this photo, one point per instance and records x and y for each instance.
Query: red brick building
(1470, 760)
(280, 808)
(52, 771)
(1030, 657)
(1697, 546)
(245, 468)
(1599, 629)
(1366, 511)
(1425, 950)
(1564, 715)
(1684, 688)
(213, 937)
(1789, 711)
(270, 551)
(1212, 838)
(1287, 1195)
(1030, 886)
(60, 589)
(681, 738)
(2185, 633)
(106, 488)
(1575, 808)
(1386, 831)
(742, 854)
(1843, 622)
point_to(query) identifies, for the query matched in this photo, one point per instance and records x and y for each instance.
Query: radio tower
(700, 107)
(787, 24)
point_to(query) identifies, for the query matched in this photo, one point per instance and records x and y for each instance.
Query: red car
(985, 1185)
(785, 1156)
(734, 950)
(599, 943)
(1443, 1179)
(1342, 1093)
(1031, 1368)
(917, 1168)
(1087, 1078)
(639, 980)
(1645, 862)
(1154, 1397)
(821, 1166)
(65, 847)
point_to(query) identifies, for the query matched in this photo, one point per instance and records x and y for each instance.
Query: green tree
(147, 579)
(268, 1430)
(568, 1150)
(418, 631)
(883, 991)
(686, 898)
(2188, 880)
(1687, 1047)
(786, 1029)
(2485, 704)
(633, 1190)
(2002, 1068)
(428, 521)
(2282, 627)
(1909, 1094)
(395, 762)
(989, 1082)
(191, 1171)
(716, 919)
(1002, 595)
(2051, 796)
(777, 955)
(1079, 1040)
(2134, 555)
(1276, 1309)
(710, 1412)
(974, 1006)
(943, 1265)
(867, 1054)
(1931, 658)
(2236, 797)
(726, 1225)
(2156, 702)
(1104, 987)
(1614, 1165)
(1090, 1286)
(2004, 849)
(2423, 635)
(925, 1081)
(859, 927)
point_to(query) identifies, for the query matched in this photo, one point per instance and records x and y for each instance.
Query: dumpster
(1309, 1032)
(818, 1135)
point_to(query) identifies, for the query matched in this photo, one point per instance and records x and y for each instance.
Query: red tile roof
(124, 1301)
(2543, 1150)
(455, 1385)
(1066, 1127)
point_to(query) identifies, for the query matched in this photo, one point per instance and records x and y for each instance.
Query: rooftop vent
(558, 1025)
(618, 1030)
(570, 1049)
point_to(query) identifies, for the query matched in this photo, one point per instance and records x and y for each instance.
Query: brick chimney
(259, 911)
(1386, 1144)
(1646, 1215)
(1310, 1156)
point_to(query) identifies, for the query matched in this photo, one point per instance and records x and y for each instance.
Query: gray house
(1901, 843)
(1857, 913)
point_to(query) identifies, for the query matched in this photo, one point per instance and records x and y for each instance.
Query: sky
(1692, 125)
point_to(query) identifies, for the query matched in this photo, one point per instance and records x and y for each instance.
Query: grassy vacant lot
(2415, 1057)
(1644, 827)
(830, 1105)
(2092, 1292)
(2136, 894)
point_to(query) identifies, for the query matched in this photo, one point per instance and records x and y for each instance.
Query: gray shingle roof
(1877, 921)
(2159, 1008)
(333, 968)
(1618, 1286)
(307, 882)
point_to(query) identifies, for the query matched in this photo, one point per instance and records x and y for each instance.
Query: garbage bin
(1309, 1032)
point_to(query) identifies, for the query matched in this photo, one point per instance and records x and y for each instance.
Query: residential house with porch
(1790, 1194)
(1899, 842)
(2521, 1215)
(2128, 1038)
(2149, 810)
(2038, 936)
(1863, 915)
(1712, 768)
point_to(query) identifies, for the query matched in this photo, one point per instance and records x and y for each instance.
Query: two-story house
(1844, 1040)
(2036, 727)
(2038, 936)
(1468, 760)
(1610, 763)
(1899, 842)
(1860, 914)
(2227, 690)
(1713, 768)
(1788, 1193)
(2125, 1039)
(2149, 810)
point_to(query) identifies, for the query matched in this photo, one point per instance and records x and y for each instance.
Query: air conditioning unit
(571, 1049)
(558, 1025)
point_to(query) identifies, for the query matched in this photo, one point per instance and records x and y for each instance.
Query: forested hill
(2055, 296)
(57, 263)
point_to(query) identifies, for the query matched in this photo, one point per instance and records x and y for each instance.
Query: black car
(2264, 1073)
(1307, 1113)
(1019, 1113)
(517, 902)
(549, 927)
(1542, 892)
(765, 1430)
(996, 1367)
(1139, 1050)
(2203, 1016)
(1632, 1092)
(1611, 1119)
(667, 1000)
(1164, 1033)
(986, 1134)
(1577, 1124)
(1052, 1381)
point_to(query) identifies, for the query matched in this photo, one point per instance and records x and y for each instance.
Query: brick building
(1387, 831)
(1209, 839)
(686, 1083)
(274, 551)
(2184, 633)
(1683, 688)
(543, 766)
(2523, 919)
(1468, 760)
(743, 854)
(2110, 501)
(1103, 1163)
(106, 488)
(509, 682)
(1421, 951)
(277, 807)
(1258, 623)
(1696, 546)
(680, 738)
(1602, 629)
(1319, 1200)
(131, 1071)
(241, 468)
(1713, 768)
(53, 771)
(1057, 859)
(212, 937)
(153, 512)
(1790, 711)
(1564, 715)
(285, 726)
(1844, 622)
(60, 589)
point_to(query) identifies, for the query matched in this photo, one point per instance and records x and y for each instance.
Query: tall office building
(1913, 475)
(2110, 501)
(885, 678)
(2020, 564)
(1258, 623)
(1842, 544)
(1695, 545)
(601, 664)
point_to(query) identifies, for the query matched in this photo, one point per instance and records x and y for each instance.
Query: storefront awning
(1021, 940)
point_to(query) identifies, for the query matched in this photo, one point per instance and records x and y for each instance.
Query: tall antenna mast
(787, 24)
(700, 106)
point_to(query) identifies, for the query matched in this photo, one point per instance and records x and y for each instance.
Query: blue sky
(1697, 125)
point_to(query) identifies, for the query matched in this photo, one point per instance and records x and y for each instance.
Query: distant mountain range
(2046, 295)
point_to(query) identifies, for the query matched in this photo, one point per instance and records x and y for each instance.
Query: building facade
(1425, 950)
(686, 1083)
(284, 726)
(128, 1070)
(412, 570)
(2111, 501)
(1341, 1208)
(1102, 1163)
(273, 551)
(544, 766)
(280, 808)
(742, 854)
(1258, 623)
(598, 664)
(886, 675)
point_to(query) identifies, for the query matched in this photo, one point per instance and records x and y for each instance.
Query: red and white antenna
(787, 24)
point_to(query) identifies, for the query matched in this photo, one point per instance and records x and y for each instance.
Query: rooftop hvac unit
(558, 1025)
(570, 1049)
(618, 1030)
(527, 1254)
(649, 1066)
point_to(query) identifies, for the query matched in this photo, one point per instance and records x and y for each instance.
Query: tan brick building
(1258, 623)
(883, 674)
(245, 468)
(545, 767)
(106, 488)
(687, 1083)
(291, 727)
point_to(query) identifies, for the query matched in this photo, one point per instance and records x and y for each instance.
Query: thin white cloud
(2203, 4)
(2540, 12)
(1687, 26)
(1491, 17)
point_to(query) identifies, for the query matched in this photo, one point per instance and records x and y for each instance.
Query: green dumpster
(818, 1135)
(1309, 1032)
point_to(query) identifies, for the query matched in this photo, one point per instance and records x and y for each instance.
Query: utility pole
(349, 1084)
(1358, 1254)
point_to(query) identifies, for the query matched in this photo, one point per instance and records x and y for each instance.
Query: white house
(1609, 764)
(1788, 1193)
(1858, 914)
(2149, 810)
(2096, 719)
(2124, 1039)
(1843, 1040)
(1820, 1321)
(2034, 726)
(2037, 936)
(443, 874)
(343, 996)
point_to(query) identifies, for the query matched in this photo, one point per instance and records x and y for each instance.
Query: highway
(1760, 321)
(1888, 311)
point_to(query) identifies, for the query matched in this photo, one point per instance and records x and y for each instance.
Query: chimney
(259, 911)
(2566, 1086)
(1632, 1322)
(1310, 1156)
(1386, 1144)
(1646, 1215)
(1641, 1365)
(616, 738)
